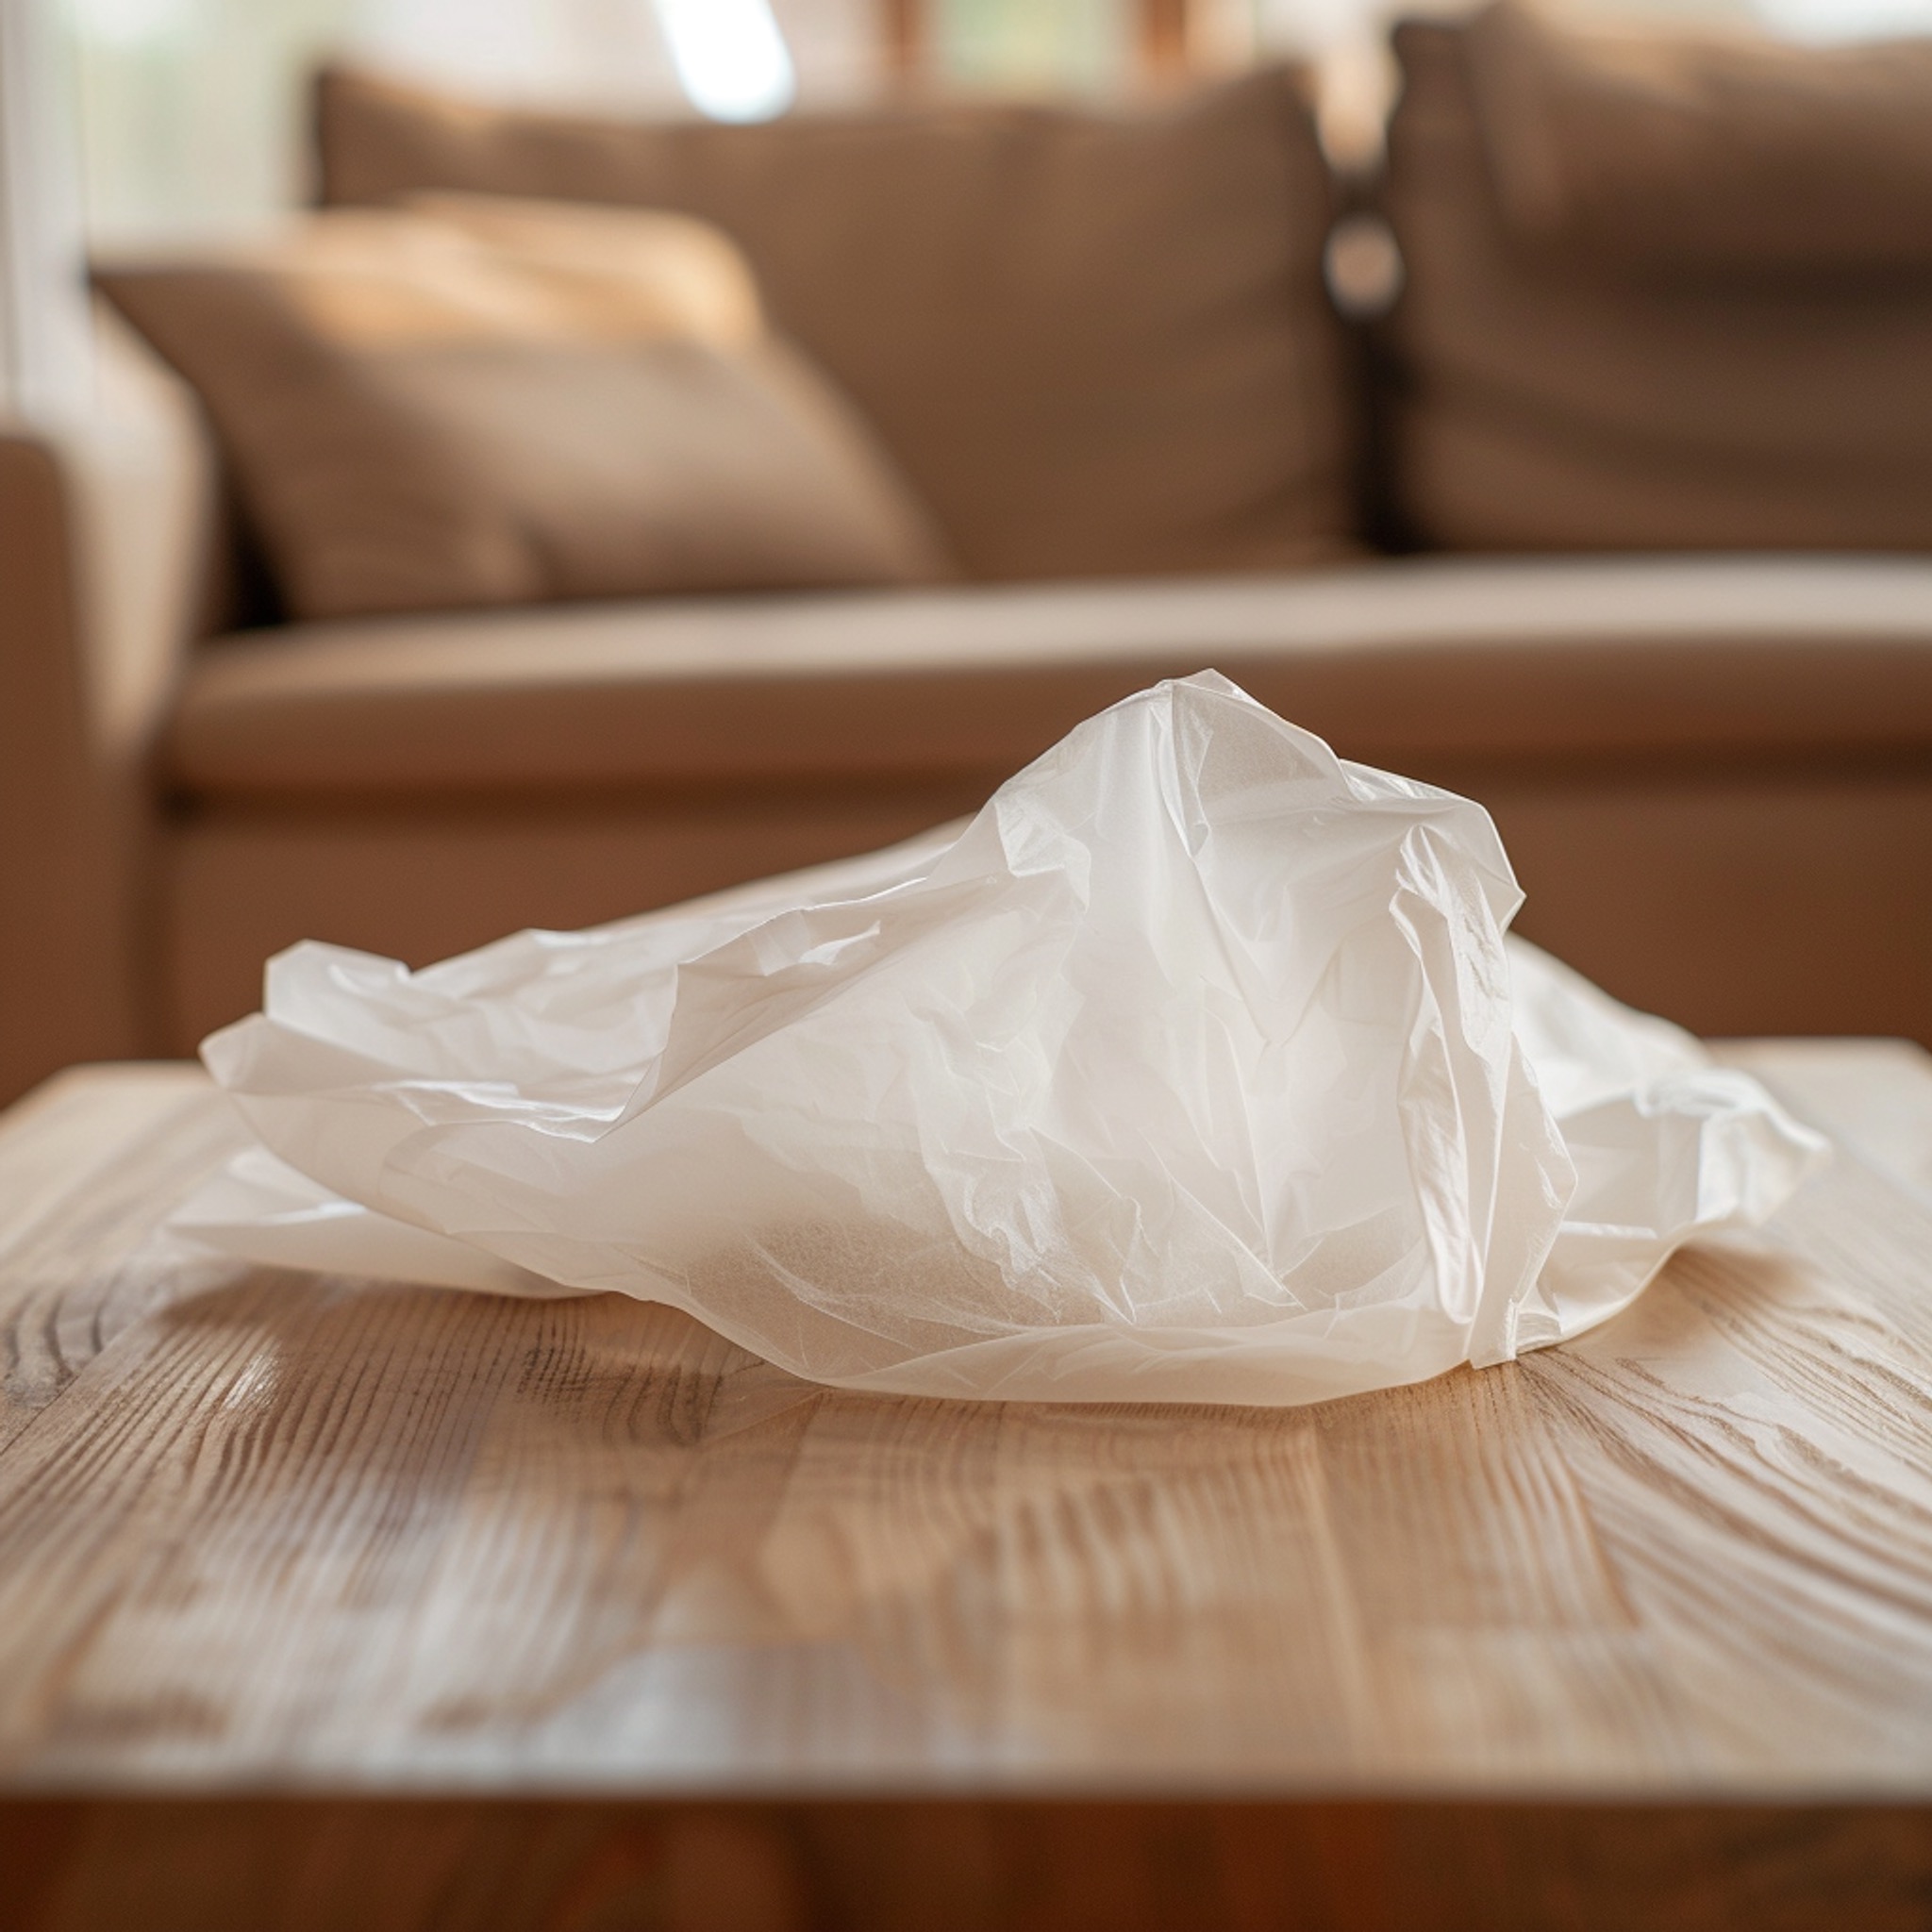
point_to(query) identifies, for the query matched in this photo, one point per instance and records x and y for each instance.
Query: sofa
(1631, 547)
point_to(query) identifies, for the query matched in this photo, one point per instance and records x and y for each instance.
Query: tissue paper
(1195, 1068)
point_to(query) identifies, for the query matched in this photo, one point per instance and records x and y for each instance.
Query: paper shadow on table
(455, 1534)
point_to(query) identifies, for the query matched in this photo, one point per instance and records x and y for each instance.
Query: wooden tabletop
(262, 1529)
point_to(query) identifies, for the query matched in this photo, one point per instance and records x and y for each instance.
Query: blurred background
(1174, 373)
(135, 121)
(188, 111)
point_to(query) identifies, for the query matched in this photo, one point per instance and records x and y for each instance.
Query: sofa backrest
(1606, 376)
(1098, 342)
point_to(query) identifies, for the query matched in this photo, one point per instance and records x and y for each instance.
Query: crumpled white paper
(1195, 1067)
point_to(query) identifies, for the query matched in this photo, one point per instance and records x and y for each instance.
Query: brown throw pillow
(1097, 339)
(465, 404)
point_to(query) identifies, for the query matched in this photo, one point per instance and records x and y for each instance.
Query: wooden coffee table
(338, 1602)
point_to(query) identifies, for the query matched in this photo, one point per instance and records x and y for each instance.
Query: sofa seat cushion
(1433, 666)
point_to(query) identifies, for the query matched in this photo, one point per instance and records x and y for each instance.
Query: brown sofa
(1713, 770)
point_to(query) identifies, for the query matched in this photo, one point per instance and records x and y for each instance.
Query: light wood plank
(1873, 1096)
(257, 1525)
(83, 1162)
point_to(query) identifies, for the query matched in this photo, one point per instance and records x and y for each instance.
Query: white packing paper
(1193, 1068)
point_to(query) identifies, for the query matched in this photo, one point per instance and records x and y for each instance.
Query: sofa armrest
(104, 542)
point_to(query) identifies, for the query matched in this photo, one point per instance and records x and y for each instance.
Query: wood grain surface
(569, 1616)
(257, 1526)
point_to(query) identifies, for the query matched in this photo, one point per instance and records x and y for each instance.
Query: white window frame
(45, 360)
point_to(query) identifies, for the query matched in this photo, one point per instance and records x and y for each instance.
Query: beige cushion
(1707, 152)
(469, 404)
(1435, 668)
(1551, 402)
(1097, 342)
